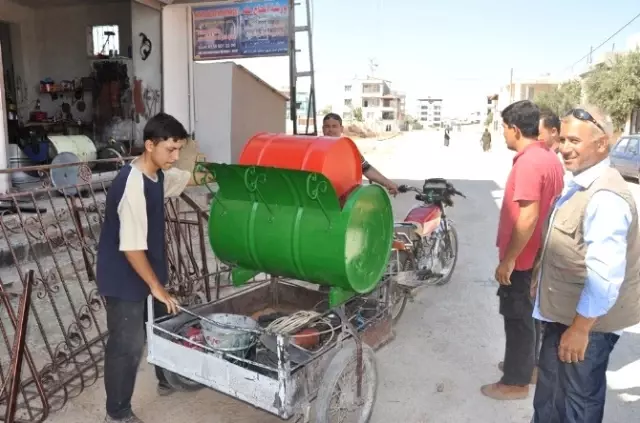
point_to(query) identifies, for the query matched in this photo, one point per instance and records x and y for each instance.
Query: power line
(605, 41)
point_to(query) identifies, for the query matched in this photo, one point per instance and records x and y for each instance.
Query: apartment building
(517, 90)
(302, 106)
(492, 109)
(429, 111)
(382, 109)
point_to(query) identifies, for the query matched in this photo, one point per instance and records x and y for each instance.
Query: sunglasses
(585, 116)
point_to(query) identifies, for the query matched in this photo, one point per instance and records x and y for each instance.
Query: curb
(390, 137)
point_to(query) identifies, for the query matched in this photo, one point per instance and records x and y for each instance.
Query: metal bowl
(236, 336)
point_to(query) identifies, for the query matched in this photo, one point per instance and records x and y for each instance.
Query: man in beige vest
(589, 275)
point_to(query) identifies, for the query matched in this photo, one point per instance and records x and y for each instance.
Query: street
(448, 342)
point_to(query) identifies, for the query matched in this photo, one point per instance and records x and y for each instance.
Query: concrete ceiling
(56, 3)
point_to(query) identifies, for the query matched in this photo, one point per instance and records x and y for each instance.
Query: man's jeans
(125, 323)
(516, 307)
(572, 393)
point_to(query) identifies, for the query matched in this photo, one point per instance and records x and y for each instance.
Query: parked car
(625, 156)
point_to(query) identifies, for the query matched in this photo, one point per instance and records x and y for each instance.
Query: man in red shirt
(535, 181)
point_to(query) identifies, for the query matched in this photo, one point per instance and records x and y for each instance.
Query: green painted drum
(290, 223)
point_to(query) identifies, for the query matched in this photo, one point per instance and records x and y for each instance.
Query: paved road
(449, 340)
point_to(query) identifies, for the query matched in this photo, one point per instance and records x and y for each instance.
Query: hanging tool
(145, 46)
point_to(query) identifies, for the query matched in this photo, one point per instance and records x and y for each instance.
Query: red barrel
(338, 159)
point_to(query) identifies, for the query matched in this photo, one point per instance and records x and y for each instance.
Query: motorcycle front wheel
(448, 254)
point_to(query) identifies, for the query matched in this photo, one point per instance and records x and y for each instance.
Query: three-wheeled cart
(270, 371)
(294, 207)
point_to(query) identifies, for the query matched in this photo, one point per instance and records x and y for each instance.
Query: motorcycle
(425, 244)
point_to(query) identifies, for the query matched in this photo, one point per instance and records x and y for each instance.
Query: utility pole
(372, 67)
(511, 87)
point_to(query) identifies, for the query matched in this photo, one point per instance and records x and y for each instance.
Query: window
(371, 88)
(632, 148)
(347, 102)
(424, 107)
(370, 115)
(103, 39)
(622, 145)
(531, 92)
(365, 103)
(347, 88)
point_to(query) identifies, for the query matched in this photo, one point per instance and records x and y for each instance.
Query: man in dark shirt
(486, 140)
(132, 261)
(550, 129)
(332, 127)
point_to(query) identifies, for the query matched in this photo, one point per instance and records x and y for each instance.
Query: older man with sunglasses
(589, 279)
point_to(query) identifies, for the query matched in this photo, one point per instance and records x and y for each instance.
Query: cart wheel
(181, 383)
(336, 401)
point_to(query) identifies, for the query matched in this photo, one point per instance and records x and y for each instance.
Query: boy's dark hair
(549, 119)
(524, 115)
(162, 127)
(333, 116)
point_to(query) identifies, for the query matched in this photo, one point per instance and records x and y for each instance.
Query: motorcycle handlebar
(406, 188)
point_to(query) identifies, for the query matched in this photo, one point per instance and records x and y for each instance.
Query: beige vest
(563, 270)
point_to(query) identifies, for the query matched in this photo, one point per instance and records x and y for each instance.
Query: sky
(458, 50)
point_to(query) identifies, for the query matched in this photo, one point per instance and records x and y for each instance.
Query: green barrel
(290, 223)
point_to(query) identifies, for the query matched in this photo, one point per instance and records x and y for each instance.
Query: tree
(561, 98)
(489, 119)
(357, 114)
(615, 87)
(326, 110)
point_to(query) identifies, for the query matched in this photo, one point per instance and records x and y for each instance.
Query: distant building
(383, 110)
(302, 110)
(521, 89)
(492, 109)
(429, 111)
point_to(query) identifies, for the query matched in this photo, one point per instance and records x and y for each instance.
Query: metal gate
(55, 236)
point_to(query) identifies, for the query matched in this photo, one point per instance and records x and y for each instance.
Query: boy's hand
(163, 296)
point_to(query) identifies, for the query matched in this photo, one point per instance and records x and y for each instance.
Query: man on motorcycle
(332, 127)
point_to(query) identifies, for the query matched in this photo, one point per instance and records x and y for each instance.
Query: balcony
(372, 89)
(371, 102)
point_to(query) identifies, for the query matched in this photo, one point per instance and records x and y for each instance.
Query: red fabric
(536, 175)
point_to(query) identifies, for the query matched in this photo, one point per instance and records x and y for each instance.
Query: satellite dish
(65, 178)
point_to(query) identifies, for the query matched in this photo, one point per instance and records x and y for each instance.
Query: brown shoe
(534, 375)
(501, 392)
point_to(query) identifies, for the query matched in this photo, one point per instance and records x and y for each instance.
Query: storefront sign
(240, 30)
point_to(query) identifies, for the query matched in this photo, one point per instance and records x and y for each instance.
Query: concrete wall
(147, 20)
(213, 97)
(177, 64)
(255, 108)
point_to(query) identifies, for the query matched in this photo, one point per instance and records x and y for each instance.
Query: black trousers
(125, 345)
(572, 392)
(521, 331)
